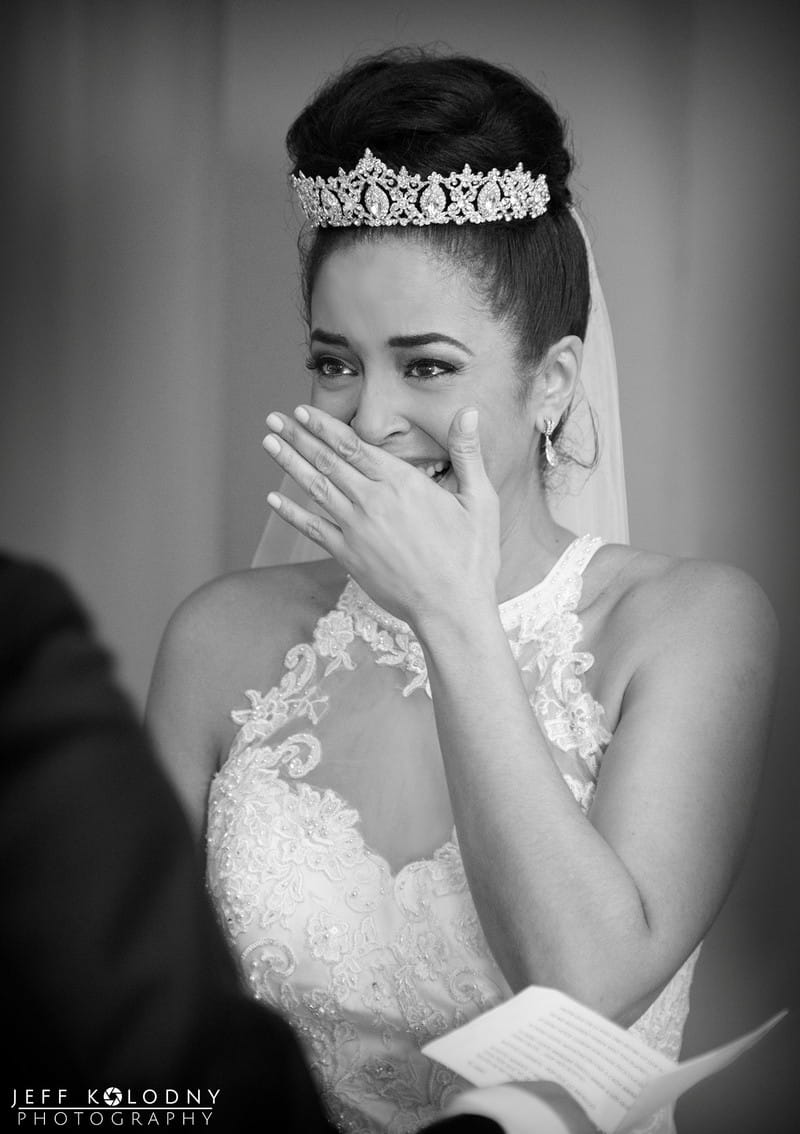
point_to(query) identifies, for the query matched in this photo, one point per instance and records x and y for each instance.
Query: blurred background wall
(150, 323)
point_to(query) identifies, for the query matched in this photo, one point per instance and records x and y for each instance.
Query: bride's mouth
(434, 468)
(437, 471)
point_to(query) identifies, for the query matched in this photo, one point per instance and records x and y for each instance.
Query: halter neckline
(572, 561)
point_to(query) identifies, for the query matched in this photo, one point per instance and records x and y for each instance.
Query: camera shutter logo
(112, 1096)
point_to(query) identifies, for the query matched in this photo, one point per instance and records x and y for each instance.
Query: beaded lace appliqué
(390, 639)
(369, 964)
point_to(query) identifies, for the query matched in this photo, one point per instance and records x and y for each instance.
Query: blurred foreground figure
(114, 972)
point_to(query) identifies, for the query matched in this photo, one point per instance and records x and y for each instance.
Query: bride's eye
(424, 368)
(328, 366)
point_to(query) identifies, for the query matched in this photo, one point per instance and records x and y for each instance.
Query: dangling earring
(549, 451)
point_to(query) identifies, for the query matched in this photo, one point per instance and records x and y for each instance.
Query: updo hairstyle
(439, 113)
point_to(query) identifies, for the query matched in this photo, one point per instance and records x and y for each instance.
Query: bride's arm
(605, 907)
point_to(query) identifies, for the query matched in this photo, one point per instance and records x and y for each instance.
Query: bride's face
(399, 342)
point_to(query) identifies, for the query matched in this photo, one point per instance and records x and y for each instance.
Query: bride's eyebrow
(426, 340)
(328, 338)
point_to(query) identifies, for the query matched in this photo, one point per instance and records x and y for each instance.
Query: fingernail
(301, 413)
(274, 422)
(271, 444)
(274, 501)
(469, 421)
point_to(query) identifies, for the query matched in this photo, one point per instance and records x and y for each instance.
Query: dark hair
(433, 112)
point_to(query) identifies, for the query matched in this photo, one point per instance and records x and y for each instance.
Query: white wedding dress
(370, 962)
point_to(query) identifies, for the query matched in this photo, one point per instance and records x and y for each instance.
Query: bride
(462, 749)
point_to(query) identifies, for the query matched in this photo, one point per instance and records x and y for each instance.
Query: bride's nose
(378, 415)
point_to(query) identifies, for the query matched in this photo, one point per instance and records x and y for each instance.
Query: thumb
(464, 447)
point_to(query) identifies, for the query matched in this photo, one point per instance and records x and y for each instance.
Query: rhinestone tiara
(374, 194)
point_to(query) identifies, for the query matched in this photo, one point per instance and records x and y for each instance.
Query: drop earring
(549, 450)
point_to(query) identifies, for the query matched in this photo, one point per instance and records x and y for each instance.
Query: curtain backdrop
(150, 322)
(113, 404)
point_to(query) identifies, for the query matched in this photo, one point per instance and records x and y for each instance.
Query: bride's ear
(557, 378)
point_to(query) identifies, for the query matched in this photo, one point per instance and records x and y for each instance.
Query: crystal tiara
(375, 195)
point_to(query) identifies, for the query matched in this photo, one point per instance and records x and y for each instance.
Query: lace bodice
(371, 961)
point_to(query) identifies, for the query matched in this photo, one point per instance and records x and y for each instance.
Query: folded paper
(544, 1035)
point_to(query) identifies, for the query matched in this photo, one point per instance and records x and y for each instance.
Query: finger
(316, 528)
(369, 460)
(464, 449)
(317, 452)
(311, 478)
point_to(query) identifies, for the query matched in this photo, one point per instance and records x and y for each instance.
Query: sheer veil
(582, 501)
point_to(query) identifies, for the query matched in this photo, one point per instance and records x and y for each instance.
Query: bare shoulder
(664, 604)
(247, 608)
(231, 635)
(242, 623)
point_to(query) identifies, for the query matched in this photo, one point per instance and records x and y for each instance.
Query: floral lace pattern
(369, 964)
(389, 638)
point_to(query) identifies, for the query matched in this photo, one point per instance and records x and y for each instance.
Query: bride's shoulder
(242, 608)
(233, 632)
(658, 598)
(229, 636)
